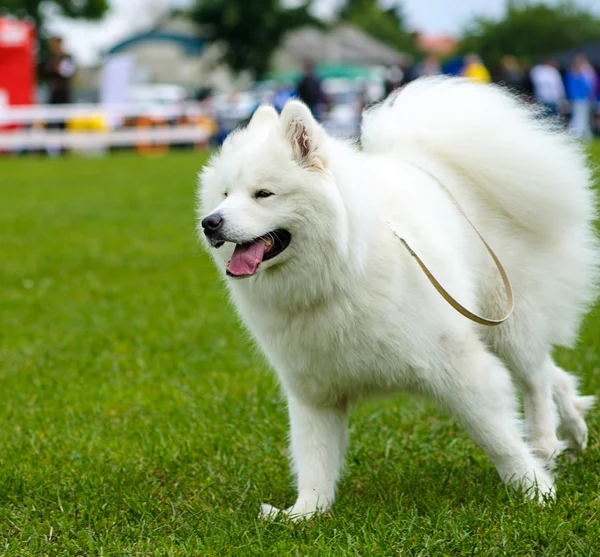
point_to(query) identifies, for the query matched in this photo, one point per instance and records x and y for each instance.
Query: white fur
(345, 312)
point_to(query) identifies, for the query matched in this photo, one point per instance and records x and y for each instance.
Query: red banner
(17, 62)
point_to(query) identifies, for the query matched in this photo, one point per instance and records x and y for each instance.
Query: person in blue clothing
(580, 85)
(282, 94)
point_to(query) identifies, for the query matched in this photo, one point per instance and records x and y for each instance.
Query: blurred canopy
(323, 71)
(88, 9)
(250, 30)
(530, 32)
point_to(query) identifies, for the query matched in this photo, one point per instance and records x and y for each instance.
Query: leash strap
(510, 302)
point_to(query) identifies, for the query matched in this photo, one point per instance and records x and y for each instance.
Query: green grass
(136, 418)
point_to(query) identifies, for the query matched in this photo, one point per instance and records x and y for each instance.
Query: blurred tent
(344, 44)
(169, 53)
(590, 50)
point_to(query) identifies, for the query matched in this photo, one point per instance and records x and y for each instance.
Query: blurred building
(345, 44)
(171, 53)
(438, 45)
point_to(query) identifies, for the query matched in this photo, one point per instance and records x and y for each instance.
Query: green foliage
(385, 25)
(530, 31)
(136, 419)
(250, 31)
(88, 9)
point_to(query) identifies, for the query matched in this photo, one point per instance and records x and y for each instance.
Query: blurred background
(93, 76)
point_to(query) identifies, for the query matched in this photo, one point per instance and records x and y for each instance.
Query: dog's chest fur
(346, 348)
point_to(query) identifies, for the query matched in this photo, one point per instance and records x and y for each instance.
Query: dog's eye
(263, 193)
(224, 194)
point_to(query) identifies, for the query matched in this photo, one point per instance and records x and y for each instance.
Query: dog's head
(267, 198)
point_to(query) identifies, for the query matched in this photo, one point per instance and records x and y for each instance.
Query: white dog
(343, 311)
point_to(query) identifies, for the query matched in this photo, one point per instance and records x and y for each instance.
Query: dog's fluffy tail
(523, 163)
(518, 162)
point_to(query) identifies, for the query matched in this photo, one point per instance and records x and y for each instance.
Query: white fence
(59, 113)
(92, 126)
(36, 139)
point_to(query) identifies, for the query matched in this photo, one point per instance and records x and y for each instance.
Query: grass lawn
(136, 418)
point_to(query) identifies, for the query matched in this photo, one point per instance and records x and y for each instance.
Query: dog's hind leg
(528, 361)
(476, 386)
(541, 420)
(571, 407)
(554, 411)
(541, 416)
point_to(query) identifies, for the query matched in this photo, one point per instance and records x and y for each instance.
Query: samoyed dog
(302, 225)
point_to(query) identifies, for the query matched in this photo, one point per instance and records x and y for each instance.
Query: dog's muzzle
(213, 229)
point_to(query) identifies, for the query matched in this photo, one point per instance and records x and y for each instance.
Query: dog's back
(530, 176)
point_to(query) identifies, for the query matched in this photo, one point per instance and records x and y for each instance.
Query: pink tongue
(246, 258)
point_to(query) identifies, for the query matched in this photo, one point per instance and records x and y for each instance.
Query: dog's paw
(539, 487)
(548, 450)
(576, 433)
(268, 512)
(303, 509)
(298, 513)
(573, 427)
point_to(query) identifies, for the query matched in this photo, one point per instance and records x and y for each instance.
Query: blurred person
(453, 66)
(310, 91)
(527, 84)
(596, 103)
(59, 69)
(592, 77)
(281, 95)
(511, 75)
(548, 87)
(394, 79)
(588, 72)
(580, 92)
(364, 100)
(429, 66)
(227, 116)
(203, 93)
(475, 69)
(408, 68)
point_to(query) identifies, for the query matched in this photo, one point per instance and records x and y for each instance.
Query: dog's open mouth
(248, 256)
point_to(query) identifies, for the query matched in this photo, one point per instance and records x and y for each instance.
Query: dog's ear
(304, 135)
(264, 114)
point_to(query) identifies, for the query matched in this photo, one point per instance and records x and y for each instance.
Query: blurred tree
(530, 31)
(37, 9)
(250, 30)
(386, 25)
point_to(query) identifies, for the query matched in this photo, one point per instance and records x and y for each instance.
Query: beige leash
(445, 294)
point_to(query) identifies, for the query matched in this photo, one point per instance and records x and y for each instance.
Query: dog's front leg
(319, 438)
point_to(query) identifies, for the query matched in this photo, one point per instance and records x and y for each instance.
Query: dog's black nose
(212, 223)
